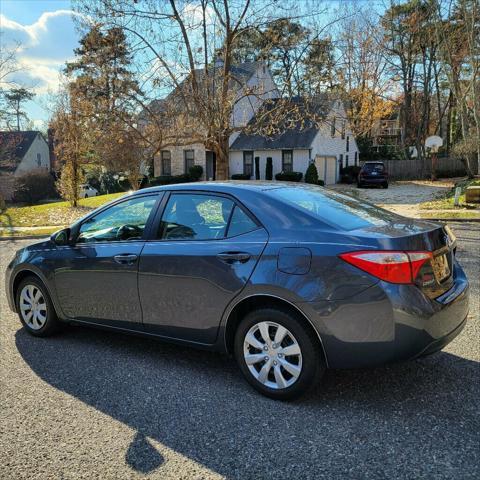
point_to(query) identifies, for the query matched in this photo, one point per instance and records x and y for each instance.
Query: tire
(385, 185)
(35, 324)
(359, 185)
(86, 196)
(273, 380)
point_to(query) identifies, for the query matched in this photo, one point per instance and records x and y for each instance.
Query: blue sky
(47, 35)
(46, 32)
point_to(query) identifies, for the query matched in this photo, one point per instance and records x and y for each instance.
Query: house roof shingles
(299, 137)
(13, 147)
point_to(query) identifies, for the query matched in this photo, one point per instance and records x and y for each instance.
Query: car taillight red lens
(391, 266)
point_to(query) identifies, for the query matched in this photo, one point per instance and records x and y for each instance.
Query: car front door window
(123, 221)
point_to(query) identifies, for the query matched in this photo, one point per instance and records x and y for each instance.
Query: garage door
(327, 168)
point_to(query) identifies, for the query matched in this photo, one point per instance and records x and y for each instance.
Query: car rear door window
(240, 223)
(195, 217)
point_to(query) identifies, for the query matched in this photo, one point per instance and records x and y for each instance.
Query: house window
(346, 160)
(189, 159)
(287, 161)
(166, 162)
(356, 158)
(39, 159)
(348, 143)
(341, 160)
(248, 163)
(332, 127)
(343, 130)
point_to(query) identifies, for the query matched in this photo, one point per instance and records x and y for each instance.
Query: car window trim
(161, 210)
(159, 196)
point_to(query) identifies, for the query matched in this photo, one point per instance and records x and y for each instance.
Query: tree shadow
(413, 415)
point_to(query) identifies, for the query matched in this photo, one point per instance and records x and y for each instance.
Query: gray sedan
(290, 279)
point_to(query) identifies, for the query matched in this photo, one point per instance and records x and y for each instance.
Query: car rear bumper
(388, 323)
(373, 181)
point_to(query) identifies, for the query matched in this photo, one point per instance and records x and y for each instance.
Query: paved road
(91, 404)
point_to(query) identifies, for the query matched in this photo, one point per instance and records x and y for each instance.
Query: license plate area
(441, 267)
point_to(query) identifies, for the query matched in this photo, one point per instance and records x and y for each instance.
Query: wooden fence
(416, 169)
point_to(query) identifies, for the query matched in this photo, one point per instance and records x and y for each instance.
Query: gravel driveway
(401, 197)
(92, 404)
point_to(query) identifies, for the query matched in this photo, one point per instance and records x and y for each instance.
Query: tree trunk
(222, 163)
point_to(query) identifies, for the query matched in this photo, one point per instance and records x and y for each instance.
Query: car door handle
(125, 258)
(234, 257)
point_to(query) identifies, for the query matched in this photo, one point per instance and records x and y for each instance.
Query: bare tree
(175, 44)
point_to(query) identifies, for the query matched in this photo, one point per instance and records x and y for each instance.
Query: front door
(204, 252)
(210, 165)
(96, 278)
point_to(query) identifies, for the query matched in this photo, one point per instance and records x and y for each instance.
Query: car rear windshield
(340, 211)
(373, 167)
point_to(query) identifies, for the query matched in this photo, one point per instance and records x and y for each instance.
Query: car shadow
(196, 403)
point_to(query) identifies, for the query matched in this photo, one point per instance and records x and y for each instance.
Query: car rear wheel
(277, 355)
(385, 185)
(35, 308)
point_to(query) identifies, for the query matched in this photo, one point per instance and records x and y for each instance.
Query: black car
(291, 279)
(372, 174)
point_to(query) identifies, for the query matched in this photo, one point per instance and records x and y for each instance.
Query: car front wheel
(35, 308)
(277, 354)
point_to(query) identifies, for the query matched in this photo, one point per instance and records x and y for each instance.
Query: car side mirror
(62, 237)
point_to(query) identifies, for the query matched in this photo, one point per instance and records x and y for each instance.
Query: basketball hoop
(432, 144)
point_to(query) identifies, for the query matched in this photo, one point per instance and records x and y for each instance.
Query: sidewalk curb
(457, 220)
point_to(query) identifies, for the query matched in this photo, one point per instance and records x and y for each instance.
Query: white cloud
(43, 48)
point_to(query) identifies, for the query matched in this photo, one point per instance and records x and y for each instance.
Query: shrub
(269, 169)
(257, 168)
(311, 175)
(240, 176)
(170, 179)
(195, 172)
(289, 176)
(349, 174)
(108, 183)
(33, 187)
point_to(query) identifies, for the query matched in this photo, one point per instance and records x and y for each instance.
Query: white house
(328, 141)
(324, 137)
(254, 84)
(21, 153)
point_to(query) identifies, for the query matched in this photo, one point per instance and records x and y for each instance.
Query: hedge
(289, 176)
(241, 176)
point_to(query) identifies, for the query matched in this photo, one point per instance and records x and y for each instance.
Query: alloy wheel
(272, 355)
(33, 307)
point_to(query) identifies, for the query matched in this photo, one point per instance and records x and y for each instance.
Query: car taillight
(391, 266)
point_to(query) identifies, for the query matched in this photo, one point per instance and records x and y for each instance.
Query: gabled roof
(240, 74)
(13, 147)
(301, 125)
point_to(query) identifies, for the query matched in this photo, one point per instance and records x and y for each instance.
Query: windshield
(373, 167)
(341, 211)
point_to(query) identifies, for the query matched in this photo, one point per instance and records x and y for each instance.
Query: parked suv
(372, 173)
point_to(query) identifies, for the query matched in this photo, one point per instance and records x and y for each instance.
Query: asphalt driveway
(93, 404)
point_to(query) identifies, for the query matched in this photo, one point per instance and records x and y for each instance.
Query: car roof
(373, 161)
(228, 186)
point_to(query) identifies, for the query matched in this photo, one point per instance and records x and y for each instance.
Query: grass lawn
(56, 214)
(446, 203)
